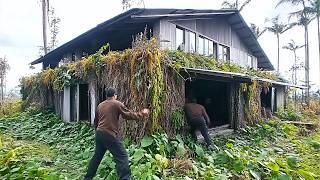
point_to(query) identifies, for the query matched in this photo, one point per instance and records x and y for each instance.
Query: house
(222, 34)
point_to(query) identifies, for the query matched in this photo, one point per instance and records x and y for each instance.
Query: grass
(38, 145)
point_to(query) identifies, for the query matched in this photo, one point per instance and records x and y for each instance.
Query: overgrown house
(220, 34)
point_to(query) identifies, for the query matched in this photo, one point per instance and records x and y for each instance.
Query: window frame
(183, 38)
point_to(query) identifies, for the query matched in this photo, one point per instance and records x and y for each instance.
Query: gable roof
(151, 15)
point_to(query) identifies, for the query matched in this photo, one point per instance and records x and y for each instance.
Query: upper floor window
(206, 46)
(223, 53)
(192, 42)
(250, 61)
(201, 45)
(180, 41)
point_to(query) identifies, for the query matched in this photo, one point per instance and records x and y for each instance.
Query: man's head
(111, 93)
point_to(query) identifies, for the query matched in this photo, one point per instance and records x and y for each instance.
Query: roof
(230, 76)
(215, 75)
(150, 15)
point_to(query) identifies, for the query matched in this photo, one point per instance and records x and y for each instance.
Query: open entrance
(266, 97)
(84, 102)
(214, 96)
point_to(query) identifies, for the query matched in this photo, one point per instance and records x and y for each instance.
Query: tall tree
(303, 18)
(4, 67)
(277, 28)
(293, 47)
(235, 4)
(256, 30)
(315, 9)
(45, 10)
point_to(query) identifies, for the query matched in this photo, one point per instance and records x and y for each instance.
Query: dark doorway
(266, 97)
(214, 96)
(84, 105)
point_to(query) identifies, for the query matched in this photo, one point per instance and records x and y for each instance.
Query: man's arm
(96, 119)
(127, 114)
(205, 115)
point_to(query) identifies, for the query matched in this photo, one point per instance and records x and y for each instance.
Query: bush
(9, 107)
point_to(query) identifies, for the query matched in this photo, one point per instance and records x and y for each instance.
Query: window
(200, 46)
(192, 42)
(211, 51)
(180, 39)
(206, 46)
(250, 61)
(223, 52)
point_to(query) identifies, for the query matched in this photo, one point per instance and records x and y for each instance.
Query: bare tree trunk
(295, 77)
(318, 14)
(278, 65)
(2, 89)
(44, 25)
(307, 64)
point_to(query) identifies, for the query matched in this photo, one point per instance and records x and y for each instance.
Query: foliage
(141, 74)
(41, 146)
(177, 119)
(289, 114)
(9, 107)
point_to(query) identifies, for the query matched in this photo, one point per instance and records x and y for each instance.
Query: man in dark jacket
(107, 125)
(197, 119)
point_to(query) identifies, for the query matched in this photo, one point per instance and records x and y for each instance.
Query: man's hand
(145, 112)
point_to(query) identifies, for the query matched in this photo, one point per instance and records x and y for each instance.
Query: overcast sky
(21, 29)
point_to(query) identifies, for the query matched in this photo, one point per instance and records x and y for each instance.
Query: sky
(21, 29)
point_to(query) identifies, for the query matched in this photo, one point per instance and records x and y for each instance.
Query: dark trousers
(199, 124)
(105, 141)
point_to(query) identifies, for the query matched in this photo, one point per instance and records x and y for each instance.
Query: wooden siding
(216, 29)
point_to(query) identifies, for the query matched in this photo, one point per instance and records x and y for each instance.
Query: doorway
(84, 102)
(214, 96)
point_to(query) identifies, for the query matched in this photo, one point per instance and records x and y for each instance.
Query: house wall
(216, 29)
(280, 97)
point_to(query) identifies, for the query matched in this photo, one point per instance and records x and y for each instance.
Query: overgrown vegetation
(144, 74)
(39, 145)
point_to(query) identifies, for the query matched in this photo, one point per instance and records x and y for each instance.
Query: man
(197, 119)
(107, 125)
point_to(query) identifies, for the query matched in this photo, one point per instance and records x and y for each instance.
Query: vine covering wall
(144, 76)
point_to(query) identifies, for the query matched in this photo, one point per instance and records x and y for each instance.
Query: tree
(293, 47)
(256, 30)
(53, 22)
(127, 4)
(315, 9)
(45, 10)
(235, 4)
(277, 28)
(4, 67)
(304, 17)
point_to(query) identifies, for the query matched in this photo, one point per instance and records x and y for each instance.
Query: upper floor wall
(206, 36)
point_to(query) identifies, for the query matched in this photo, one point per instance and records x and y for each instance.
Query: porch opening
(214, 96)
(266, 97)
(84, 102)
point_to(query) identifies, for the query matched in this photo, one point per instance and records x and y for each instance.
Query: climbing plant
(141, 74)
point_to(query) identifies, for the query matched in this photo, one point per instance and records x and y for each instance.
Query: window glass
(192, 42)
(206, 47)
(220, 52)
(179, 39)
(249, 60)
(201, 44)
(211, 48)
(223, 53)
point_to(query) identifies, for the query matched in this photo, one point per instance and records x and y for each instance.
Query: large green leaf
(146, 141)
(199, 151)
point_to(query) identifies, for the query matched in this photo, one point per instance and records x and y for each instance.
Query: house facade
(222, 34)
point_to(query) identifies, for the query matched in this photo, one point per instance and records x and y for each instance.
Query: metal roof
(232, 76)
(150, 15)
(221, 75)
(281, 83)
